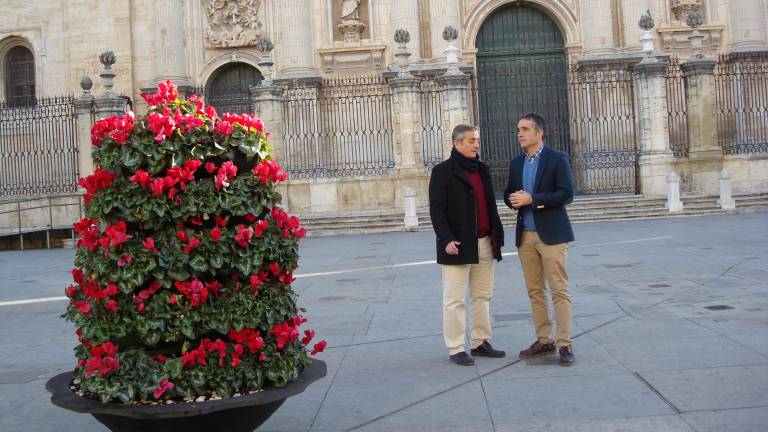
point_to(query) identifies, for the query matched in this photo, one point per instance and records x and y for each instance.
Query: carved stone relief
(681, 8)
(232, 23)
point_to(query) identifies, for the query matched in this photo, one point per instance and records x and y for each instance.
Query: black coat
(552, 191)
(453, 210)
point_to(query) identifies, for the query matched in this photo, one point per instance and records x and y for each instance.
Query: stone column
(84, 105)
(597, 28)
(267, 102)
(171, 59)
(631, 11)
(297, 46)
(406, 115)
(747, 26)
(406, 122)
(705, 156)
(442, 13)
(405, 15)
(655, 154)
(455, 106)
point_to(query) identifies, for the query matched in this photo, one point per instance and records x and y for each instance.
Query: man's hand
(520, 199)
(452, 248)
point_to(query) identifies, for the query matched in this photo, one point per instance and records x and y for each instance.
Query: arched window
(227, 90)
(19, 77)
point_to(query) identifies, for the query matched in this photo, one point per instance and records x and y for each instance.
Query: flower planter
(236, 414)
(182, 277)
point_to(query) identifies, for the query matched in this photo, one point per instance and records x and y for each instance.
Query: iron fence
(227, 99)
(339, 127)
(603, 128)
(677, 116)
(431, 105)
(38, 147)
(741, 107)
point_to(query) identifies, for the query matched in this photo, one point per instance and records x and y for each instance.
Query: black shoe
(566, 356)
(462, 359)
(485, 349)
(538, 349)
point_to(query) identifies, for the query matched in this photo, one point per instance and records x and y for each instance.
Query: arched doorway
(521, 67)
(227, 89)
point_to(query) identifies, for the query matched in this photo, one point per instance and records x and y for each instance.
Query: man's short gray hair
(458, 131)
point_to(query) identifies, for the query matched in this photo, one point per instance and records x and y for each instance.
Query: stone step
(583, 210)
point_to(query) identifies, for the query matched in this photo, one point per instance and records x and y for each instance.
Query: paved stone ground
(650, 354)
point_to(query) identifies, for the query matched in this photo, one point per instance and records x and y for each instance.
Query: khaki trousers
(456, 278)
(542, 262)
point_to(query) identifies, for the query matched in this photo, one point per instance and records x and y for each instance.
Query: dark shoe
(538, 349)
(566, 356)
(462, 359)
(485, 349)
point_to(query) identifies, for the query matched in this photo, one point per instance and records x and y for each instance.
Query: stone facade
(191, 41)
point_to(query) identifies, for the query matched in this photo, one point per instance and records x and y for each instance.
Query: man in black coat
(540, 185)
(463, 209)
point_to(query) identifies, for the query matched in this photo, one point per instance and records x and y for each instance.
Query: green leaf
(244, 267)
(178, 274)
(198, 264)
(216, 261)
(129, 157)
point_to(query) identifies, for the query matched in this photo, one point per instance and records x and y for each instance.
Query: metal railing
(339, 127)
(741, 87)
(603, 128)
(38, 148)
(227, 99)
(431, 109)
(677, 116)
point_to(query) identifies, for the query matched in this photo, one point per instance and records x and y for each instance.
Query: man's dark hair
(538, 121)
(458, 131)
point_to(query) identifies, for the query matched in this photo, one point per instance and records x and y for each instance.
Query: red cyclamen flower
(164, 386)
(100, 179)
(319, 347)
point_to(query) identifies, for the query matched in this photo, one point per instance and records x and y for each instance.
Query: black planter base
(234, 420)
(238, 414)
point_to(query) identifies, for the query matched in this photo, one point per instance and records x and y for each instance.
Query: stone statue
(350, 10)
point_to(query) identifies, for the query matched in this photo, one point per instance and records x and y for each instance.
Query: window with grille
(19, 77)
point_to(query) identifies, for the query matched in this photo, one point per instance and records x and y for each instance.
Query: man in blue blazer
(540, 186)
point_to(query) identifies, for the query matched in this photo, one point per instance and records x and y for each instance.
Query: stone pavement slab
(742, 420)
(669, 317)
(713, 388)
(522, 401)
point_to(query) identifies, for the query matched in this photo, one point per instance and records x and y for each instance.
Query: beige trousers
(542, 262)
(456, 278)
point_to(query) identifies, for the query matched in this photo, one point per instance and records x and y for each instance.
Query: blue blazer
(552, 191)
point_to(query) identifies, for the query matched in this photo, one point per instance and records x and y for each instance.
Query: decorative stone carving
(674, 35)
(681, 8)
(350, 10)
(232, 23)
(646, 21)
(450, 34)
(349, 59)
(351, 26)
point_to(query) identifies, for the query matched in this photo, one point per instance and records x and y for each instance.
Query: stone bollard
(411, 220)
(726, 201)
(673, 193)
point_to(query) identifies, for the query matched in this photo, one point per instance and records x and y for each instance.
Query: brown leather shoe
(566, 356)
(538, 349)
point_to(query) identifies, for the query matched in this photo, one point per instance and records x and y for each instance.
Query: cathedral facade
(46, 46)
(361, 94)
